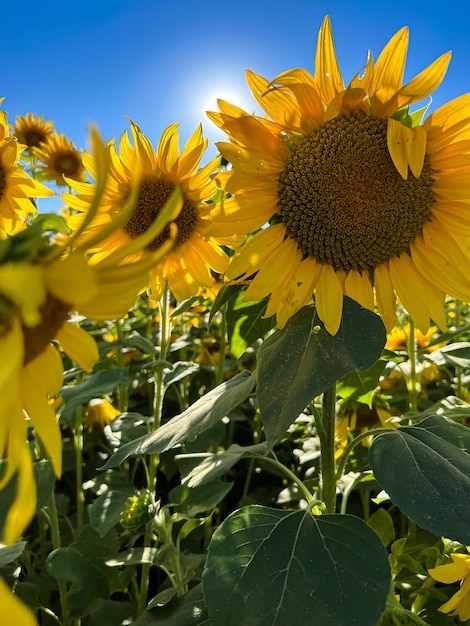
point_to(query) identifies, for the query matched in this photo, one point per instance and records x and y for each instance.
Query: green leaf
(181, 369)
(190, 610)
(197, 418)
(83, 563)
(427, 477)
(268, 567)
(300, 362)
(214, 465)
(111, 613)
(245, 323)
(193, 502)
(359, 385)
(381, 523)
(8, 554)
(224, 295)
(186, 305)
(456, 353)
(141, 343)
(99, 384)
(134, 556)
(45, 482)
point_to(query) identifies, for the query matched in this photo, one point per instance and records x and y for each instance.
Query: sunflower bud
(138, 511)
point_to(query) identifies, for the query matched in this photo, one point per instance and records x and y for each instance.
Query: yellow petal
(42, 414)
(386, 299)
(253, 254)
(358, 287)
(71, 279)
(412, 290)
(425, 83)
(389, 70)
(277, 269)
(329, 299)
(13, 610)
(79, 345)
(396, 146)
(327, 71)
(24, 284)
(298, 291)
(11, 344)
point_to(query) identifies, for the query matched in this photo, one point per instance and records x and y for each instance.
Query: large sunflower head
(154, 175)
(362, 198)
(32, 130)
(59, 157)
(17, 189)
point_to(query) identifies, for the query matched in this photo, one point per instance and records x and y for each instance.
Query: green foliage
(332, 567)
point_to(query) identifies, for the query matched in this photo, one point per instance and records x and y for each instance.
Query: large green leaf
(190, 610)
(300, 362)
(83, 562)
(426, 476)
(268, 567)
(245, 323)
(197, 418)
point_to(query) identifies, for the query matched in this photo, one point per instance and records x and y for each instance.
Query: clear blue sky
(160, 62)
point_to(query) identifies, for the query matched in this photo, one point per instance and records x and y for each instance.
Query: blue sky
(160, 62)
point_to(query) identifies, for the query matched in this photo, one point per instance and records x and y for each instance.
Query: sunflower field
(237, 391)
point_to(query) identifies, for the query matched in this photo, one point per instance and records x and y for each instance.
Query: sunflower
(32, 130)
(59, 158)
(188, 266)
(359, 198)
(40, 284)
(17, 189)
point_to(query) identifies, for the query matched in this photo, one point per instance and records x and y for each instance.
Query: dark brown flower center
(67, 163)
(34, 138)
(54, 313)
(152, 197)
(344, 202)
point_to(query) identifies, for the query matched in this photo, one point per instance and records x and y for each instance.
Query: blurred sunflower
(361, 200)
(397, 338)
(32, 130)
(17, 189)
(99, 412)
(187, 267)
(59, 158)
(38, 289)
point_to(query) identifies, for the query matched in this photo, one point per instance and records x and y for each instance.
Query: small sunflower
(99, 412)
(37, 292)
(17, 189)
(32, 130)
(59, 158)
(187, 267)
(361, 198)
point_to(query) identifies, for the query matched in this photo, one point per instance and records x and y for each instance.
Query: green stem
(350, 447)
(80, 498)
(123, 392)
(220, 370)
(56, 543)
(295, 479)
(412, 380)
(327, 442)
(159, 393)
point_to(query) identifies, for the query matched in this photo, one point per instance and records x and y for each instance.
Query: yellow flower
(397, 338)
(17, 189)
(458, 570)
(13, 610)
(31, 130)
(99, 412)
(156, 174)
(361, 201)
(60, 158)
(36, 296)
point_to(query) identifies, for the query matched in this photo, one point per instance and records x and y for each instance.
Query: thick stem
(56, 543)
(327, 441)
(80, 498)
(159, 392)
(412, 380)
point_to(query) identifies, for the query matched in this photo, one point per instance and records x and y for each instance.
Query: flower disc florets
(343, 200)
